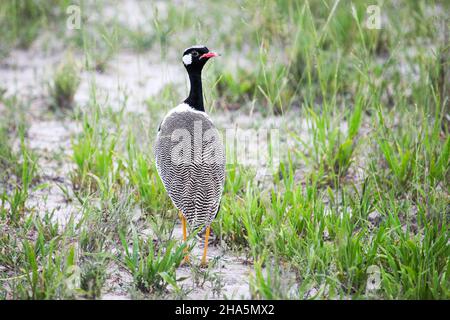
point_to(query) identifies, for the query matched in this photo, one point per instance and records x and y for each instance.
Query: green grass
(18, 166)
(365, 184)
(65, 84)
(153, 269)
(25, 19)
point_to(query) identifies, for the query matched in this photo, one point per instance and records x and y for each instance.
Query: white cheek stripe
(187, 59)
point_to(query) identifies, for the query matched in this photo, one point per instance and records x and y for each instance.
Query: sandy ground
(230, 272)
(130, 78)
(135, 78)
(26, 73)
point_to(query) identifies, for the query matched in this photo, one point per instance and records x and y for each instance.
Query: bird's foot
(186, 261)
(204, 264)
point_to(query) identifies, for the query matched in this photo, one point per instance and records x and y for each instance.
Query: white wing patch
(187, 59)
(183, 107)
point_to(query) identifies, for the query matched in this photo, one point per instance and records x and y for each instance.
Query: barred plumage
(190, 157)
(190, 160)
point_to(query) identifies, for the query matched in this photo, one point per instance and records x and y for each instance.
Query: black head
(195, 57)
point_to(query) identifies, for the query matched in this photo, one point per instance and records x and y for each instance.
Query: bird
(190, 155)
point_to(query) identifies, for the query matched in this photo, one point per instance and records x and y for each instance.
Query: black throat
(195, 98)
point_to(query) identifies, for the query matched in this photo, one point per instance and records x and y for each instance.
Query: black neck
(195, 98)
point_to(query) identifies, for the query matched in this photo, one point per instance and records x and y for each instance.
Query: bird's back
(190, 160)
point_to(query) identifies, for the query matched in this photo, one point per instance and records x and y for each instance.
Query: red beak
(209, 55)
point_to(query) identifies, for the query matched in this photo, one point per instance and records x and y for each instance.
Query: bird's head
(195, 57)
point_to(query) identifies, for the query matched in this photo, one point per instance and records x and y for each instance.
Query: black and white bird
(190, 156)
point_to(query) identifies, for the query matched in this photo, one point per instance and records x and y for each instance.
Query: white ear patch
(187, 59)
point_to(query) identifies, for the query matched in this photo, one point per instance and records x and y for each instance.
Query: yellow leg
(183, 223)
(204, 264)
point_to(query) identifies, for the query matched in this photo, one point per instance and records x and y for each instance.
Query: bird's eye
(194, 53)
